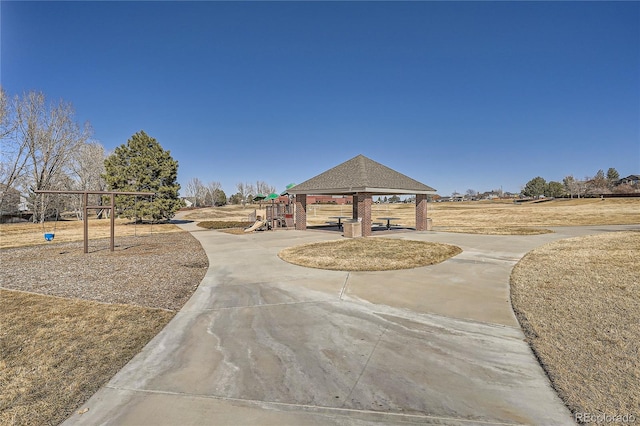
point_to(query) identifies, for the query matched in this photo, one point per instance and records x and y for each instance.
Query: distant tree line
(44, 148)
(247, 192)
(201, 194)
(599, 184)
(212, 195)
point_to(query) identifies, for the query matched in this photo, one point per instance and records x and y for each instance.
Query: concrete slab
(265, 342)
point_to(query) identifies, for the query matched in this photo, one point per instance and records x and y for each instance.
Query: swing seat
(49, 236)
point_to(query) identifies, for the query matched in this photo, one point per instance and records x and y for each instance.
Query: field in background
(461, 216)
(470, 216)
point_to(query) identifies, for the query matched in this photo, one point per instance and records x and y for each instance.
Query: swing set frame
(86, 208)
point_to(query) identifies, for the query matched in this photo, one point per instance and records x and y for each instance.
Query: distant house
(510, 195)
(329, 199)
(632, 180)
(490, 195)
(11, 201)
(13, 205)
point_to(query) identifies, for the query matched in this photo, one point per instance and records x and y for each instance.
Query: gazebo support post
(365, 200)
(301, 212)
(421, 212)
(354, 202)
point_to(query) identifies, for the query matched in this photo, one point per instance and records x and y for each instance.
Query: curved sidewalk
(265, 342)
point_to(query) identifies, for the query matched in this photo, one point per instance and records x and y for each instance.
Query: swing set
(49, 236)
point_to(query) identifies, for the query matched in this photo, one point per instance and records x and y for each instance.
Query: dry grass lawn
(578, 301)
(562, 212)
(498, 217)
(368, 254)
(57, 352)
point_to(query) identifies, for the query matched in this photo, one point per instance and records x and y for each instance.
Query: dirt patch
(368, 254)
(578, 302)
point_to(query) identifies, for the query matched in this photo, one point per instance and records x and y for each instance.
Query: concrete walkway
(264, 342)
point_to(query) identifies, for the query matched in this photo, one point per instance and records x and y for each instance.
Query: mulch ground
(93, 313)
(157, 271)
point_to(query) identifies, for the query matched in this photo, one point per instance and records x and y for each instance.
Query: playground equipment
(51, 234)
(256, 226)
(277, 215)
(87, 207)
(280, 215)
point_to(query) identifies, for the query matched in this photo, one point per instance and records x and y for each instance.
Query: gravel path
(158, 271)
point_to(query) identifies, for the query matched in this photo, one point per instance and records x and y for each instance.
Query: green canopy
(259, 197)
(286, 191)
(272, 196)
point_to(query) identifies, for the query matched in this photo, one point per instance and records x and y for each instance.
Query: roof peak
(361, 174)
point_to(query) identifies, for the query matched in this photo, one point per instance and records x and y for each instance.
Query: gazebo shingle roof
(361, 174)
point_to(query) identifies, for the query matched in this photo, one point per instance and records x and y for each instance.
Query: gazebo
(361, 178)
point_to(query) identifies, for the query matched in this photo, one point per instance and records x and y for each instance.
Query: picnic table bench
(388, 219)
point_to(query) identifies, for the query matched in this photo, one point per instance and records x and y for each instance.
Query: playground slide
(258, 224)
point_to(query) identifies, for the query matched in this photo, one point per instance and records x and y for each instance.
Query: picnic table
(340, 220)
(388, 219)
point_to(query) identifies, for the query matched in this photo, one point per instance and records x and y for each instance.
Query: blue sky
(457, 95)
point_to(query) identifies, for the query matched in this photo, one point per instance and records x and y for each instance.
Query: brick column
(364, 211)
(301, 212)
(421, 212)
(354, 202)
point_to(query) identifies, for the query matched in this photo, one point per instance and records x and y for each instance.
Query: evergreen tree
(612, 176)
(142, 165)
(219, 198)
(599, 184)
(554, 189)
(535, 187)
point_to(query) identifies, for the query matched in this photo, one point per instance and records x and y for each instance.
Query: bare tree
(246, 191)
(197, 190)
(7, 122)
(88, 169)
(251, 192)
(51, 137)
(264, 188)
(598, 184)
(38, 141)
(242, 191)
(571, 185)
(211, 189)
(88, 166)
(13, 162)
